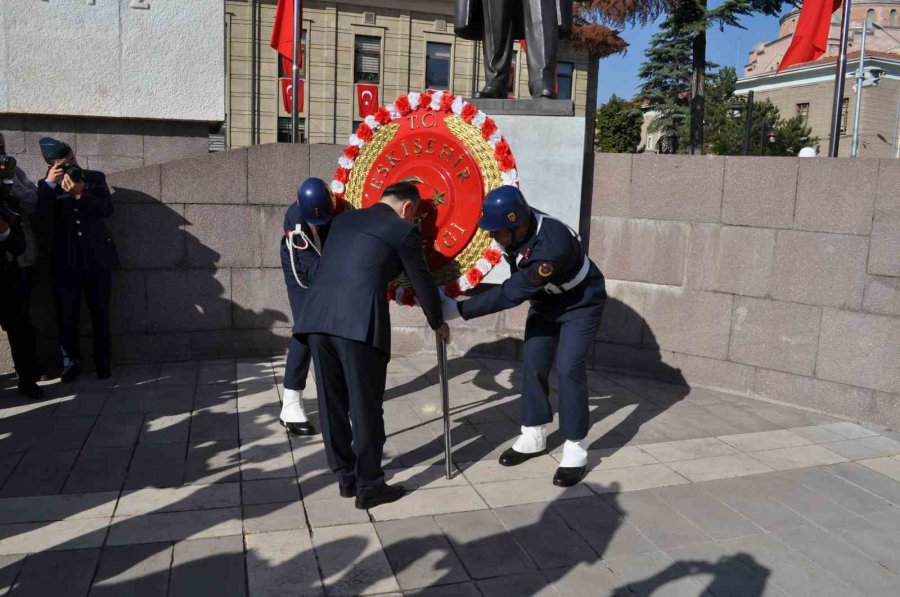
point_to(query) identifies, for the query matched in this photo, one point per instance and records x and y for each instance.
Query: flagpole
(839, 81)
(295, 75)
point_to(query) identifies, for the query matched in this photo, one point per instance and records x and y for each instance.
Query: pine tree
(618, 126)
(666, 76)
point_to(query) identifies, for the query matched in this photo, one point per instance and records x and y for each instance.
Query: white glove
(450, 307)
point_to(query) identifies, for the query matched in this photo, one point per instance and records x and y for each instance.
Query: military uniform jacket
(81, 242)
(302, 258)
(550, 257)
(367, 248)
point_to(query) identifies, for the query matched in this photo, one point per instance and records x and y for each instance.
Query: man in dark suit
(346, 314)
(82, 256)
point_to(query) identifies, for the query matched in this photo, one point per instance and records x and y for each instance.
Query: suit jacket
(468, 19)
(81, 242)
(367, 248)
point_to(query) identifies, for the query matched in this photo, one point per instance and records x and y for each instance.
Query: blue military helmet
(504, 208)
(316, 202)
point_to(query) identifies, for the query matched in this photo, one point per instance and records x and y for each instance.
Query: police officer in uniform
(82, 256)
(346, 314)
(567, 292)
(306, 225)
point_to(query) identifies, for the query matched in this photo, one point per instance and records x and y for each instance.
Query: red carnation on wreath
(382, 116)
(342, 174)
(409, 298)
(492, 256)
(474, 276)
(488, 128)
(392, 293)
(468, 113)
(447, 102)
(364, 132)
(351, 152)
(452, 289)
(402, 105)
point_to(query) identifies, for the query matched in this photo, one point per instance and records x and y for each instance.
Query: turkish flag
(283, 30)
(286, 94)
(366, 99)
(810, 38)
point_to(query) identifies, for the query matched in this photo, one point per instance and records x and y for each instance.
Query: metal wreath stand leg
(445, 403)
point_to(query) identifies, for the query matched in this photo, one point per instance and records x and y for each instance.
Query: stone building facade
(807, 90)
(398, 46)
(126, 83)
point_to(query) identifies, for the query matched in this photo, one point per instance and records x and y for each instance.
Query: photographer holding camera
(82, 256)
(12, 308)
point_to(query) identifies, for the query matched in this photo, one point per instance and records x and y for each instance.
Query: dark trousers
(16, 324)
(570, 342)
(351, 377)
(96, 288)
(541, 38)
(296, 369)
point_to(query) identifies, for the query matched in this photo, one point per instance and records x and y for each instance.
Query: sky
(618, 74)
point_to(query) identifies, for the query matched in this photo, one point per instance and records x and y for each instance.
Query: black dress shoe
(305, 428)
(490, 92)
(348, 490)
(385, 495)
(31, 390)
(567, 476)
(512, 458)
(548, 93)
(71, 373)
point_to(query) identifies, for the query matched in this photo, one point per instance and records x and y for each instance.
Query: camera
(74, 171)
(7, 168)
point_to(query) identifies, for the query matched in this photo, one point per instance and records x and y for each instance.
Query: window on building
(437, 65)
(870, 15)
(367, 59)
(803, 112)
(892, 19)
(564, 71)
(845, 114)
(513, 69)
(284, 129)
(284, 65)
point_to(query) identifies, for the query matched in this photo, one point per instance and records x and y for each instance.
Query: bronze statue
(498, 22)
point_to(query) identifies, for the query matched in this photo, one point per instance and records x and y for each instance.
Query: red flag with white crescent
(366, 99)
(286, 93)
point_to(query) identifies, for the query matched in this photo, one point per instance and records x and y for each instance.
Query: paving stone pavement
(176, 479)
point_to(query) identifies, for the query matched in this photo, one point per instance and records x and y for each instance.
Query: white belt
(578, 279)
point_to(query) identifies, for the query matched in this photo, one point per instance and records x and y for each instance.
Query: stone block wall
(107, 144)
(776, 277)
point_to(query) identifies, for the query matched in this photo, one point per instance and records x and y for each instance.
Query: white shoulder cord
(289, 242)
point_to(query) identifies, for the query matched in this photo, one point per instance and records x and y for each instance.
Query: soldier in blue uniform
(82, 256)
(567, 292)
(306, 225)
(347, 316)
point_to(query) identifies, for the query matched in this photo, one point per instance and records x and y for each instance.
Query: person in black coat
(13, 318)
(82, 256)
(567, 293)
(347, 316)
(306, 225)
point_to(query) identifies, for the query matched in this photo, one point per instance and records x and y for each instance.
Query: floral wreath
(442, 102)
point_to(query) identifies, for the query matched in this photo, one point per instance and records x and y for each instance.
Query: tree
(595, 19)
(618, 126)
(666, 76)
(769, 133)
(693, 18)
(719, 106)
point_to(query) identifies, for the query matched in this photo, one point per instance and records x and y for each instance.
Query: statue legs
(542, 39)
(498, 43)
(541, 36)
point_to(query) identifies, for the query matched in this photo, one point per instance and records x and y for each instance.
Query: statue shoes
(491, 92)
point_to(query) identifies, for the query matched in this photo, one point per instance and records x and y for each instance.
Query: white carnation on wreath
(393, 111)
(479, 119)
(413, 97)
(457, 105)
(371, 122)
(436, 100)
(356, 141)
(345, 162)
(337, 186)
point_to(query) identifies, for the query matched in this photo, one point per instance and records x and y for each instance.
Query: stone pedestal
(548, 142)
